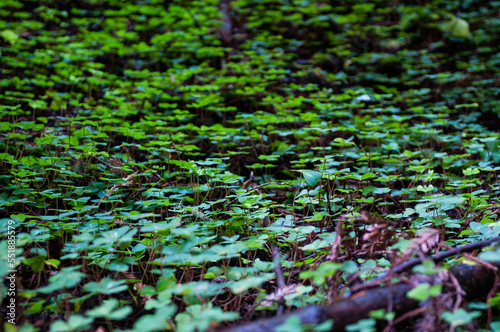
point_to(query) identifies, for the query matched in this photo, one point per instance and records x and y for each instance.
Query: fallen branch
(344, 312)
(476, 281)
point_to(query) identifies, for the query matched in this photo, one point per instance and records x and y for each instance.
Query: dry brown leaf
(425, 241)
(278, 295)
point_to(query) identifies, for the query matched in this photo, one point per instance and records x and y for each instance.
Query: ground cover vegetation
(154, 153)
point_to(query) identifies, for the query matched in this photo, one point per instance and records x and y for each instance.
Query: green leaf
(460, 317)
(263, 266)
(363, 325)
(381, 190)
(457, 27)
(74, 323)
(113, 266)
(36, 263)
(324, 270)
(423, 291)
(495, 326)
(367, 176)
(110, 310)
(53, 262)
(492, 256)
(311, 177)
(382, 314)
(315, 245)
(26, 328)
(158, 321)
(66, 278)
(292, 323)
(368, 189)
(427, 267)
(10, 36)
(106, 286)
(199, 317)
(250, 282)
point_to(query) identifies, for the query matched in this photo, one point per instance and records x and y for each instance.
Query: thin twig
(436, 258)
(336, 243)
(442, 255)
(481, 262)
(279, 275)
(408, 315)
